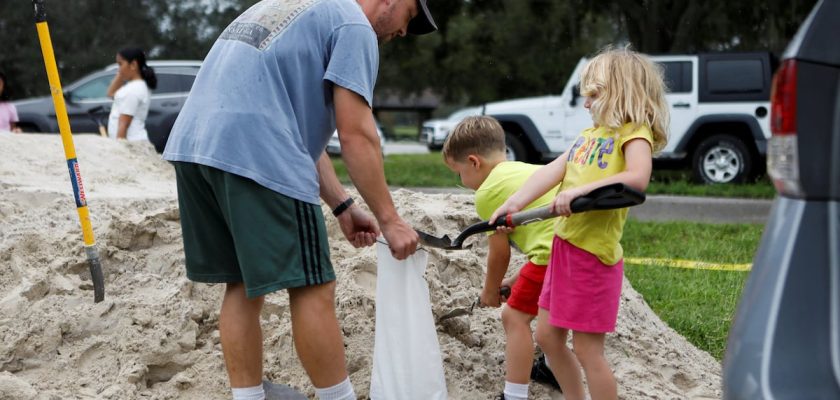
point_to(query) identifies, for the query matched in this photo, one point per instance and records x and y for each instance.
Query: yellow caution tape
(689, 264)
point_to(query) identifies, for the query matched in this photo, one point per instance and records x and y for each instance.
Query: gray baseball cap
(423, 22)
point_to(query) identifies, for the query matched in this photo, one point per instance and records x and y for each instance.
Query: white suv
(435, 131)
(719, 116)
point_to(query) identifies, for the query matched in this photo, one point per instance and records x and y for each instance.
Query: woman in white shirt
(131, 90)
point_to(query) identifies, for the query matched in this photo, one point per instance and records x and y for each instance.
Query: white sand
(155, 336)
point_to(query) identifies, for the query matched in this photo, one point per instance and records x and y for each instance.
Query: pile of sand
(155, 336)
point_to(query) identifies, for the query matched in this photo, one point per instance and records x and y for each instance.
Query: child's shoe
(542, 374)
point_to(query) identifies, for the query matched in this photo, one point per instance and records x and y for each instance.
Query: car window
(735, 76)
(95, 89)
(678, 76)
(173, 83)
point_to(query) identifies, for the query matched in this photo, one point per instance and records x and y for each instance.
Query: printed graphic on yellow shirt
(587, 150)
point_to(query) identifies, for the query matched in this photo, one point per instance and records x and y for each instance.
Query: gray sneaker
(277, 391)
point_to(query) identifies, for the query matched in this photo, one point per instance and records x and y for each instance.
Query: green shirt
(503, 181)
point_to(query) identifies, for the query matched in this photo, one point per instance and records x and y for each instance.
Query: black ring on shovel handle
(40, 10)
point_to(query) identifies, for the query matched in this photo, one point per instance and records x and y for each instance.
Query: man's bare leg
(241, 336)
(317, 336)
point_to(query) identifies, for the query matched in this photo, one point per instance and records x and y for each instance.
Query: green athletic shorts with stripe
(236, 230)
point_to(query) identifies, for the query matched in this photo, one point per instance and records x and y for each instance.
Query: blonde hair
(627, 87)
(480, 135)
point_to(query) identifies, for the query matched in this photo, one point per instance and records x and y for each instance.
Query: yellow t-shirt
(534, 240)
(597, 154)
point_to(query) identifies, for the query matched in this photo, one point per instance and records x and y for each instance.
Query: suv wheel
(515, 150)
(722, 159)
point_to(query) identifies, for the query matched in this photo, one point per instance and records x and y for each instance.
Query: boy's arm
(498, 258)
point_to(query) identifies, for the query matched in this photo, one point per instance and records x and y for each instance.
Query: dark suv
(86, 95)
(785, 340)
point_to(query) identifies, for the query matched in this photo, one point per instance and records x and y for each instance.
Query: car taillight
(782, 149)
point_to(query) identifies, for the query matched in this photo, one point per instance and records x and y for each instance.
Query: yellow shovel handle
(69, 148)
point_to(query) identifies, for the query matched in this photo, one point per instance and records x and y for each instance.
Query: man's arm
(358, 227)
(363, 157)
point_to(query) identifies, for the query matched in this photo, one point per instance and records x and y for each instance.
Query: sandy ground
(155, 336)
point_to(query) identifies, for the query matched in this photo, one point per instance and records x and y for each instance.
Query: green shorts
(236, 230)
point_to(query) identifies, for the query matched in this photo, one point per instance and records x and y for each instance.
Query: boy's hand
(509, 281)
(491, 298)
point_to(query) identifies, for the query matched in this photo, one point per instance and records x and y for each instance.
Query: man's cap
(423, 22)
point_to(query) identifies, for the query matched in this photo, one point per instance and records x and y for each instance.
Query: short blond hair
(481, 135)
(628, 88)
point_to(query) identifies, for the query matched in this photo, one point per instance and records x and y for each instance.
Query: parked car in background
(435, 131)
(785, 340)
(334, 145)
(719, 125)
(86, 100)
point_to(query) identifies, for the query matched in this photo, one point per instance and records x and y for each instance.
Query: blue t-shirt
(261, 106)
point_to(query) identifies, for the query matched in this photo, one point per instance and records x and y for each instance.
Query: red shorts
(525, 293)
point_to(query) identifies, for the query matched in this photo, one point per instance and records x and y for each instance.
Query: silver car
(88, 105)
(785, 340)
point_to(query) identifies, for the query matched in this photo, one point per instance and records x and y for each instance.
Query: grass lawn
(428, 170)
(699, 304)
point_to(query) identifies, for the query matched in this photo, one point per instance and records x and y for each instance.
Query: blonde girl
(625, 94)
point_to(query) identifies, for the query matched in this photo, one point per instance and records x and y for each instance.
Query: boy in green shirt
(476, 151)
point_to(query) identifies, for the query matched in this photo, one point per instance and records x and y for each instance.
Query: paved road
(681, 208)
(405, 148)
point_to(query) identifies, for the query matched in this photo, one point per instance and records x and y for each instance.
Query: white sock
(545, 357)
(516, 391)
(342, 391)
(248, 393)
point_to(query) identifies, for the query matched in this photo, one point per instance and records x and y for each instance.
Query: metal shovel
(457, 312)
(616, 195)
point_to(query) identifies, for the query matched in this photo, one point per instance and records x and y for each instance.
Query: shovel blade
(433, 241)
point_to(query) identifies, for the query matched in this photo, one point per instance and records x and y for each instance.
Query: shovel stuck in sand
(457, 312)
(616, 195)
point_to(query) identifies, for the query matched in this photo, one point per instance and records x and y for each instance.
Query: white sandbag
(407, 364)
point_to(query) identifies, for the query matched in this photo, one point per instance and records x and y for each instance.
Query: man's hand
(401, 237)
(359, 228)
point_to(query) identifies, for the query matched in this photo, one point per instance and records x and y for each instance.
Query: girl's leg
(589, 348)
(519, 345)
(564, 364)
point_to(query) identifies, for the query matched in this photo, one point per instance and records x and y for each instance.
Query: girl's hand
(562, 204)
(504, 210)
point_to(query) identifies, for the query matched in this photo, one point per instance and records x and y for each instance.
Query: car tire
(515, 150)
(28, 128)
(722, 159)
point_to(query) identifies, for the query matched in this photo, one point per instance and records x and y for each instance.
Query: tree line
(485, 50)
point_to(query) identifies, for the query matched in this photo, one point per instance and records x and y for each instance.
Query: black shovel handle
(616, 195)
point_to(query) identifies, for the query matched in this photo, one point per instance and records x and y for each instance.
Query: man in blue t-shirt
(248, 149)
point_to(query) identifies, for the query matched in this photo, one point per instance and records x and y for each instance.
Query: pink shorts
(580, 292)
